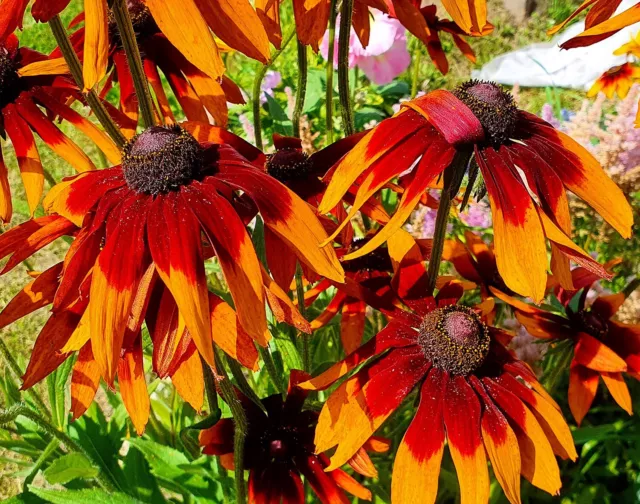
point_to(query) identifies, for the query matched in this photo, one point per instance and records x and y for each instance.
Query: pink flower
(384, 58)
(271, 80)
(477, 215)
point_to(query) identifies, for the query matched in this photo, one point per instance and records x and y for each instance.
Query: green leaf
(143, 484)
(393, 91)
(83, 496)
(57, 386)
(69, 467)
(316, 86)
(365, 115)
(281, 123)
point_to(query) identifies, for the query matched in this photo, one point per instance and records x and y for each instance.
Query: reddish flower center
(161, 159)
(288, 164)
(278, 448)
(493, 107)
(593, 323)
(9, 79)
(454, 339)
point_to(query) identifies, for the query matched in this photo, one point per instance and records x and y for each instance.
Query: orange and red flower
(602, 346)
(473, 393)
(196, 92)
(526, 165)
(600, 22)
(617, 80)
(12, 13)
(279, 450)
(139, 253)
(28, 81)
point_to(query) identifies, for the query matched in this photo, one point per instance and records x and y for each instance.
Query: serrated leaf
(57, 386)
(83, 496)
(69, 467)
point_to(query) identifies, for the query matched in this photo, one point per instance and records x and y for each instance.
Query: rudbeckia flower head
(525, 163)
(473, 393)
(279, 450)
(617, 80)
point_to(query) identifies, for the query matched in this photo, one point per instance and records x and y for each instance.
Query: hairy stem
(329, 96)
(306, 347)
(240, 423)
(130, 45)
(258, 82)
(302, 88)
(270, 366)
(20, 409)
(75, 67)
(416, 68)
(241, 381)
(343, 67)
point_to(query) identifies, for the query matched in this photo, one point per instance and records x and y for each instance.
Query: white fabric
(545, 64)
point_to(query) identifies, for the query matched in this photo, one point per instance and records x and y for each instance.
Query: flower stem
(270, 365)
(46, 453)
(416, 68)
(343, 67)
(258, 82)
(13, 364)
(241, 381)
(453, 176)
(559, 366)
(75, 67)
(302, 88)
(240, 423)
(130, 45)
(306, 348)
(329, 97)
(20, 409)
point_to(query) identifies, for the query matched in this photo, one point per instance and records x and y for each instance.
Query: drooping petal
(185, 27)
(322, 484)
(35, 295)
(618, 390)
(291, 218)
(595, 355)
(133, 386)
(236, 255)
(607, 306)
(583, 385)
(6, 207)
(281, 305)
(176, 248)
(11, 16)
(43, 10)
(462, 420)
(470, 15)
(417, 463)
(205, 133)
(519, 241)
(605, 29)
(96, 42)
(349, 484)
(311, 21)
(281, 260)
(188, 379)
(115, 278)
(352, 324)
(85, 380)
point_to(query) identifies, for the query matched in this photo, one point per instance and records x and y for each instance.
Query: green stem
(75, 67)
(453, 176)
(241, 381)
(51, 447)
(329, 97)
(343, 67)
(130, 45)
(302, 88)
(240, 423)
(15, 367)
(270, 365)
(416, 68)
(559, 366)
(257, 82)
(19, 409)
(209, 387)
(631, 287)
(306, 347)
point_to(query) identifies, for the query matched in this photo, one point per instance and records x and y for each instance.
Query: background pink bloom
(384, 58)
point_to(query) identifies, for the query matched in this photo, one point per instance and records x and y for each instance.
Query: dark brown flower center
(288, 164)
(376, 260)
(141, 19)
(494, 108)
(161, 159)
(454, 339)
(9, 79)
(593, 323)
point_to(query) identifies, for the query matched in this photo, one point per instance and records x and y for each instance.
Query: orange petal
(96, 42)
(281, 305)
(352, 324)
(584, 5)
(583, 385)
(186, 29)
(618, 390)
(189, 380)
(133, 387)
(6, 207)
(84, 381)
(595, 355)
(605, 29)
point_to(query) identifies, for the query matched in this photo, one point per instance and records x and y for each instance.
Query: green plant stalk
(453, 176)
(75, 67)
(302, 88)
(270, 366)
(559, 367)
(51, 447)
(416, 68)
(130, 45)
(20, 409)
(306, 347)
(346, 108)
(13, 364)
(329, 96)
(240, 423)
(241, 381)
(209, 387)
(257, 82)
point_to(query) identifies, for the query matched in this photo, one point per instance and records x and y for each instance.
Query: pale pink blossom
(384, 58)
